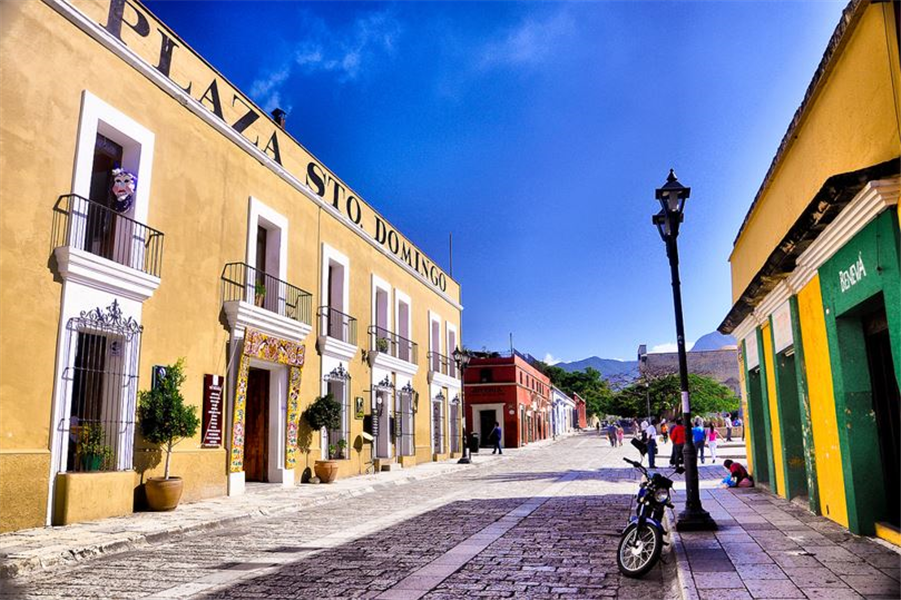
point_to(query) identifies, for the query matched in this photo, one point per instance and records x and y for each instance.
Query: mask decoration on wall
(123, 190)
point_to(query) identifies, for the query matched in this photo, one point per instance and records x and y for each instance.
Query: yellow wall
(199, 192)
(830, 479)
(778, 476)
(23, 489)
(90, 496)
(852, 124)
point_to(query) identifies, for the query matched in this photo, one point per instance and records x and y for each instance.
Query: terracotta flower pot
(326, 470)
(163, 494)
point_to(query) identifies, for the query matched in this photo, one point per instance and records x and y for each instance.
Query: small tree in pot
(325, 413)
(165, 421)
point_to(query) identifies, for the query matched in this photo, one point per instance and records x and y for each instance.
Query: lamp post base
(695, 519)
(464, 460)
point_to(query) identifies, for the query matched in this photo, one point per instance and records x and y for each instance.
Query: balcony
(337, 325)
(337, 333)
(442, 370)
(101, 248)
(258, 300)
(391, 351)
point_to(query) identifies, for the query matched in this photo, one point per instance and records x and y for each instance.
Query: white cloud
(550, 359)
(530, 42)
(346, 53)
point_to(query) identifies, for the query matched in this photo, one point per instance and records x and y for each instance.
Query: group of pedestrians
(614, 431)
(704, 437)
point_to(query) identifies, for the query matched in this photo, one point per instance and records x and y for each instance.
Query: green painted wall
(759, 418)
(860, 277)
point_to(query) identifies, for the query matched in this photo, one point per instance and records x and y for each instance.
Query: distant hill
(713, 341)
(609, 368)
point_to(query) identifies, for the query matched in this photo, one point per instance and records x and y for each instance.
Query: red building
(510, 391)
(581, 416)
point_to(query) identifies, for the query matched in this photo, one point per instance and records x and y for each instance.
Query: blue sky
(536, 133)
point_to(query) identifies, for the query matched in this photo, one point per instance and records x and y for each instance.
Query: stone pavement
(43, 547)
(767, 548)
(543, 522)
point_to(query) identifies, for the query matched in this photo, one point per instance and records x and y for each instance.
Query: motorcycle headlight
(661, 495)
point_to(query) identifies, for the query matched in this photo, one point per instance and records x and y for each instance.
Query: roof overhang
(825, 206)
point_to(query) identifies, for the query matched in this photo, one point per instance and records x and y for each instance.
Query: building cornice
(828, 205)
(869, 203)
(329, 346)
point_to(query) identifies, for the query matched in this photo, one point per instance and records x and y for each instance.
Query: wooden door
(256, 437)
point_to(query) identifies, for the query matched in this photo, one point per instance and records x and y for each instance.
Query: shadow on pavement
(568, 542)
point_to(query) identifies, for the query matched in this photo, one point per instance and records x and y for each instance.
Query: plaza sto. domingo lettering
(156, 45)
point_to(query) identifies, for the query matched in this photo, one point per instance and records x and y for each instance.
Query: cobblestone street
(541, 523)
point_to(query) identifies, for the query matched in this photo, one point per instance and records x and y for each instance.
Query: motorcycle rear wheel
(639, 550)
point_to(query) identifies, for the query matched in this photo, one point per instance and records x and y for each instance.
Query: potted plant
(325, 413)
(342, 448)
(259, 293)
(94, 454)
(165, 420)
(381, 344)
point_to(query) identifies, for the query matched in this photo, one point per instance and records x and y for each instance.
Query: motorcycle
(641, 542)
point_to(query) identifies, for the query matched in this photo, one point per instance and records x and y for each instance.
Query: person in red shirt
(677, 436)
(738, 475)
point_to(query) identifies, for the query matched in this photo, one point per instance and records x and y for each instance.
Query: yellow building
(816, 289)
(234, 248)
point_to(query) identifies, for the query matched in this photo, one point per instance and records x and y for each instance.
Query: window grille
(455, 425)
(406, 430)
(438, 424)
(337, 386)
(100, 384)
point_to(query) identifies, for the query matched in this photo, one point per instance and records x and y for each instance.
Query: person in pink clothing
(712, 436)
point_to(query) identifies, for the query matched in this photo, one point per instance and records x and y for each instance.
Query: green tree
(164, 418)
(588, 384)
(707, 396)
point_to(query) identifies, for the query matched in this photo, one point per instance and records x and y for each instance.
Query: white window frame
(259, 214)
(433, 346)
(452, 366)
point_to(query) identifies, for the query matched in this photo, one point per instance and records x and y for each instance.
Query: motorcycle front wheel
(639, 549)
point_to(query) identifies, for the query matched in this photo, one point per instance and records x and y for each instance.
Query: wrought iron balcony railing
(335, 324)
(90, 226)
(241, 282)
(439, 363)
(382, 340)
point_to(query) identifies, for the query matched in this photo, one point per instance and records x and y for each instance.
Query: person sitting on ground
(738, 475)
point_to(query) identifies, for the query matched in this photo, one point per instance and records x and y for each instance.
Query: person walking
(620, 433)
(495, 438)
(712, 435)
(729, 428)
(650, 433)
(677, 435)
(699, 437)
(664, 432)
(610, 430)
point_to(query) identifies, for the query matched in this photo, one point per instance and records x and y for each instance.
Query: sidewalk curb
(687, 588)
(17, 565)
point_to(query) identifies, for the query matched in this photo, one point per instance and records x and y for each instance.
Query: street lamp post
(672, 198)
(462, 358)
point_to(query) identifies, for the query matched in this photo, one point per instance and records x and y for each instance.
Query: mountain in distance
(625, 371)
(609, 368)
(713, 341)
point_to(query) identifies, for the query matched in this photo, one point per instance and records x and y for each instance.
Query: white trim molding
(259, 214)
(242, 315)
(90, 270)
